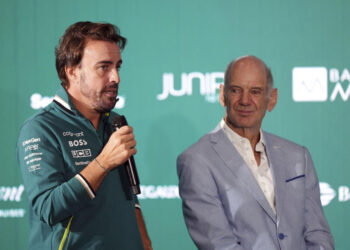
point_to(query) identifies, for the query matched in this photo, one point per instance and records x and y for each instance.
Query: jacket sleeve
(202, 208)
(317, 233)
(52, 195)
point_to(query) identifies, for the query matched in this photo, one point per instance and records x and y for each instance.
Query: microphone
(130, 165)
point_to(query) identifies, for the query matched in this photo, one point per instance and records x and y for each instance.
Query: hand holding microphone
(119, 122)
(120, 149)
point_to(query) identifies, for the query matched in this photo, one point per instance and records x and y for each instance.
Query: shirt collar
(238, 140)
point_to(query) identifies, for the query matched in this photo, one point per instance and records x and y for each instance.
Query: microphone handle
(130, 165)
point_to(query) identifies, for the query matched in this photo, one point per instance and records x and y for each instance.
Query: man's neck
(252, 134)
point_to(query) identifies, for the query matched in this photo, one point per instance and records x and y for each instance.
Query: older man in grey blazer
(243, 188)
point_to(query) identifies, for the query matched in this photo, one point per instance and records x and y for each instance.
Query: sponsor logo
(81, 163)
(13, 194)
(33, 160)
(209, 84)
(76, 143)
(31, 147)
(32, 155)
(68, 133)
(310, 84)
(33, 168)
(120, 102)
(81, 153)
(37, 101)
(159, 192)
(343, 193)
(328, 193)
(12, 213)
(32, 140)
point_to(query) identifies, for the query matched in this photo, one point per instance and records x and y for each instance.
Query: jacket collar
(235, 163)
(63, 100)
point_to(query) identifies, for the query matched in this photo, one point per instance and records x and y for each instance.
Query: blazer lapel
(235, 163)
(276, 160)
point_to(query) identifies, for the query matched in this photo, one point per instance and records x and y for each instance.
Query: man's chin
(106, 107)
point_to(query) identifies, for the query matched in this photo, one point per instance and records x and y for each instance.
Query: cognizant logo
(37, 101)
(209, 84)
(310, 84)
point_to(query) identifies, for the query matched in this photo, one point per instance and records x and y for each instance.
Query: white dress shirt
(262, 172)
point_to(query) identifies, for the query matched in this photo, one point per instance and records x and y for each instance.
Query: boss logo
(76, 143)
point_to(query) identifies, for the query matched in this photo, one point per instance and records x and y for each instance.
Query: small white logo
(37, 101)
(30, 141)
(327, 193)
(120, 103)
(344, 193)
(159, 192)
(209, 84)
(69, 133)
(310, 84)
(31, 147)
(77, 143)
(81, 153)
(11, 193)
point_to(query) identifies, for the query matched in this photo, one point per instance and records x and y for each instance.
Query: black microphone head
(119, 121)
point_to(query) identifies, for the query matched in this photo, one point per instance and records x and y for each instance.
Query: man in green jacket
(70, 157)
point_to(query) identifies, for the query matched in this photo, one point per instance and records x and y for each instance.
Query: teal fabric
(53, 146)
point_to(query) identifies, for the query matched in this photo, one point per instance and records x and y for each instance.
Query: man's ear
(222, 95)
(71, 73)
(272, 99)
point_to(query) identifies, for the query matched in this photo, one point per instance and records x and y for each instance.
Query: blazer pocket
(295, 178)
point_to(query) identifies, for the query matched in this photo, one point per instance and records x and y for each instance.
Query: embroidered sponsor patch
(81, 153)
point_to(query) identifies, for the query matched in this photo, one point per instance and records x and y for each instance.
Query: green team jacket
(52, 147)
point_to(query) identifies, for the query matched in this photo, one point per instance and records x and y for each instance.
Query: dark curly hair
(70, 49)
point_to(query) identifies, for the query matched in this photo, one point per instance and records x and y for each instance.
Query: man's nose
(114, 76)
(245, 98)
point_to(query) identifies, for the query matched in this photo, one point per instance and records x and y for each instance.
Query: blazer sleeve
(317, 233)
(202, 208)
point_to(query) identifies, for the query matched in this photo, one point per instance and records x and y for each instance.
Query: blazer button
(281, 236)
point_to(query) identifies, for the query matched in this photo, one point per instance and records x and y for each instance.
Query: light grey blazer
(224, 207)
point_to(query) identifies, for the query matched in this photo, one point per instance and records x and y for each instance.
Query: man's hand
(119, 148)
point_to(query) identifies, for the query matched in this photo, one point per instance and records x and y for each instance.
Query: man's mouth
(111, 92)
(244, 112)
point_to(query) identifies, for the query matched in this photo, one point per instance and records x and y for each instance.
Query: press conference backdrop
(173, 64)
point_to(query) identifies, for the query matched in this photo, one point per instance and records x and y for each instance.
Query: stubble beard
(96, 98)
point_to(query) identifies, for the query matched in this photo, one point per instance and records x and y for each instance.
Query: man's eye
(256, 92)
(104, 67)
